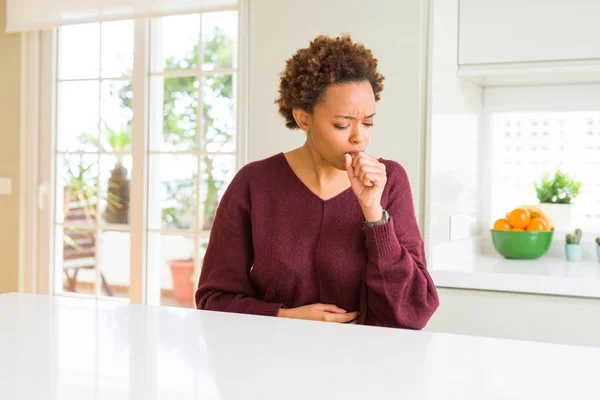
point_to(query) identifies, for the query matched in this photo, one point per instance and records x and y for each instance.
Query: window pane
(79, 51)
(114, 253)
(78, 249)
(218, 114)
(175, 46)
(117, 49)
(172, 188)
(115, 178)
(78, 116)
(81, 249)
(219, 37)
(177, 102)
(116, 113)
(77, 189)
(217, 173)
(171, 257)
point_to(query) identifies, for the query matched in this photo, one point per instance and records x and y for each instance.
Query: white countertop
(547, 275)
(64, 348)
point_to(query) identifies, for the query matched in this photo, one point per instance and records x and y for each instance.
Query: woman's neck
(317, 171)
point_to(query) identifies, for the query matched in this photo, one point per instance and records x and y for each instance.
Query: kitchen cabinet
(558, 39)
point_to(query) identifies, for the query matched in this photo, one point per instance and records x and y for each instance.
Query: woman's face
(342, 122)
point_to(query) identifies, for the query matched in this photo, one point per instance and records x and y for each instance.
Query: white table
(63, 348)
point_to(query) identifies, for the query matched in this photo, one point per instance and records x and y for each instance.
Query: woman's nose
(357, 135)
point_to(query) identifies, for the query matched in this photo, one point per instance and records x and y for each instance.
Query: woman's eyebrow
(349, 117)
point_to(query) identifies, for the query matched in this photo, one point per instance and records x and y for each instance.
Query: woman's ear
(302, 118)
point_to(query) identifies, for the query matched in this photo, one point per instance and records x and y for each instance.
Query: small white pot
(560, 214)
(574, 252)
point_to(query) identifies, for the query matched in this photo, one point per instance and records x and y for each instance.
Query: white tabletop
(59, 348)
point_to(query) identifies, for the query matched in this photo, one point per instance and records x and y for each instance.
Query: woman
(324, 232)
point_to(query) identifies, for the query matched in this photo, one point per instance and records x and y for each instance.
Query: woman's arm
(224, 283)
(397, 289)
(399, 292)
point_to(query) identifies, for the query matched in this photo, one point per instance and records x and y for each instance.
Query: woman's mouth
(353, 153)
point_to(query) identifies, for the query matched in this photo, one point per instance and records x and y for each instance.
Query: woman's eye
(340, 127)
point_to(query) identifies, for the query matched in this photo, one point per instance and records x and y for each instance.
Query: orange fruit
(519, 218)
(537, 224)
(518, 229)
(502, 225)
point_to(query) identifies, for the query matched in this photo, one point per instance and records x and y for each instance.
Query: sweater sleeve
(224, 283)
(397, 290)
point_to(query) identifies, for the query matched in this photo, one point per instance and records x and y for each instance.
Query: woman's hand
(319, 312)
(368, 179)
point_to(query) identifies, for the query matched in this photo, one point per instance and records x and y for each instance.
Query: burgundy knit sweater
(274, 243)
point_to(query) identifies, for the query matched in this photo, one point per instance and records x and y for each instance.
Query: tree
(179, 117)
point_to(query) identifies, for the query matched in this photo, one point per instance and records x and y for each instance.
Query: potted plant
(598, 248)
(117, 196)
(573, 246)
(556, 194)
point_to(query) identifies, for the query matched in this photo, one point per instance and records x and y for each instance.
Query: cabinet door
(509, 31)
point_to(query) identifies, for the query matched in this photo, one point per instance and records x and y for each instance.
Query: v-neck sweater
(274, 243)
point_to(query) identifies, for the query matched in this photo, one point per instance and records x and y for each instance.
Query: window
(527, 145)
(93, 158)
(192, 154)
(192, 143)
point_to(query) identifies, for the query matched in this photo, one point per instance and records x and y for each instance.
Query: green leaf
(561, 188)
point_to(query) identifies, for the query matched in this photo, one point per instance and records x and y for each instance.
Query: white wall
(456, 108)
(10, 97)
(551, 319)
(394, 30)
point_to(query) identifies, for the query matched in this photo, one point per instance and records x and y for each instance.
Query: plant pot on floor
(560, 214)
(574, 252)
(183, 284)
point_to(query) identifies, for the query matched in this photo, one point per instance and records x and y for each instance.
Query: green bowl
(522, 245)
